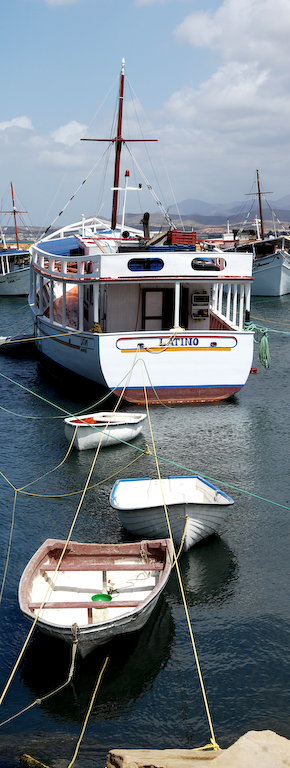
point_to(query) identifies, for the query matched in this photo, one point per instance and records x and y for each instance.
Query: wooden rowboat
(91, 426)
(195, 507)
(99, 590)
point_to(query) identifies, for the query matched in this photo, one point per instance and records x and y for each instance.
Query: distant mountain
(194, 207)
(190, 207)
(283, 202)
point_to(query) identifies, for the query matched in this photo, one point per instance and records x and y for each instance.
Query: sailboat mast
(119, 142)
(14, 214)
(260, 206)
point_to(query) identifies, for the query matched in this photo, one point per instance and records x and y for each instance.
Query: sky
(210, 79)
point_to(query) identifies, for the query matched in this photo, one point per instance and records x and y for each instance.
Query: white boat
(195, 507)
(271, 265)
(116, 306)
(14, 273)
(99, 591)
(106, 427)
(271, 257)
(14, 263)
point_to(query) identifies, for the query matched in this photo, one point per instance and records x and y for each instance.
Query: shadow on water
(134, 662)
(209, 572)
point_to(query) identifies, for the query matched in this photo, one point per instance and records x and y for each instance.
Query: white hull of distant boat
(272, 274)
(107, 428)
(15, 282)
(196, 508)
(101, 590)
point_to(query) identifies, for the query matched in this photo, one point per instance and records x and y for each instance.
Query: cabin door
(88, 307)
(157, 309)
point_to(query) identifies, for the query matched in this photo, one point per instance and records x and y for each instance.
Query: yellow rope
(89, 711)
(21, 490)
(64, 548)
(52, 693)
(74, 493)
(214, 744)
(264, 320)
(36, 338)
(9, 545)
(182, 540)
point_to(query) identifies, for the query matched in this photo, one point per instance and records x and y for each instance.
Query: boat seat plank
(91, 604)
(105, 567)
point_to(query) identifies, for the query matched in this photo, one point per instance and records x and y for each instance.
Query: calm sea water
(237, 585)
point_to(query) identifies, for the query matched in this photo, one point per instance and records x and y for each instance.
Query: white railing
(230, 301)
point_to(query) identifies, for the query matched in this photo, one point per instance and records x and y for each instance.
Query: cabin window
(57, 266)
(77, 251)
(157, 309)
(145, 265)
(205, 262)
(45, 263)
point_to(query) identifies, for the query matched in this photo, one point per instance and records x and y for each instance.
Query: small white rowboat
(90, 428)
(194, 506)
(103, 590)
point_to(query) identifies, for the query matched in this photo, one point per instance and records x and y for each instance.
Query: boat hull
(198, 522)
(190, 521)
(272, 275)
(89, 638)
(87, 437)
(15, 283)
(196, 367)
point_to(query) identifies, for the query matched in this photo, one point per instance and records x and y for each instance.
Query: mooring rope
(96, 688)
(213, 741)
(262, 339)
(49, 695)
(64, 548)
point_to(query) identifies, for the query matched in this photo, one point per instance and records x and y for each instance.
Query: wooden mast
(260, 206)
(260, 203)
(118, 141)
(14, 211)
(14, 214)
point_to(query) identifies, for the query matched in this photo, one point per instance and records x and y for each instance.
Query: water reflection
(135, 662)
(209, 572)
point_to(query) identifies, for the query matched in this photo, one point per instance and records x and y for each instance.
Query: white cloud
(241, 30)
(17, 122)
(250, 87)
(69, 134)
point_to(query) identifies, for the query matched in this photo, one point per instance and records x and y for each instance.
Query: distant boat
(271, 258)
(194, 506)
(101, 590)
(14, 263)
(271, 265)
(106, 426)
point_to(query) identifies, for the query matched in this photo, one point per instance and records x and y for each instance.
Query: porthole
(145, 265)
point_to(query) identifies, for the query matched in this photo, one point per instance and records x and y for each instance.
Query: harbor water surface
(236, 585)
